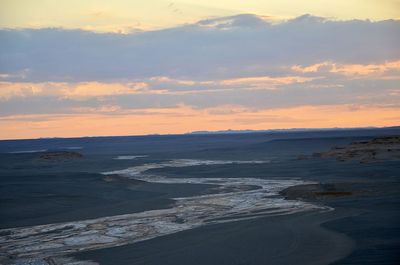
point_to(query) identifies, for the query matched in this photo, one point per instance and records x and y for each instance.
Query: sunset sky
(73, 68)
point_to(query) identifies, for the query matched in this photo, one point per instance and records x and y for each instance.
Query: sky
(92, 68)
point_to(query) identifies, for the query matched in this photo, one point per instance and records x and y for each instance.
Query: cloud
(320, 84)
(221, 48)
(183, 119)
(266, 81)
(162, 85)
(65, 90)
(241, 70)
(96, 89)
(384, 69)
(249, 21)
(169, 80)
(9, 90)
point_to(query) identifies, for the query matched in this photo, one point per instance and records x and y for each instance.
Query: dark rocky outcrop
(376, 149)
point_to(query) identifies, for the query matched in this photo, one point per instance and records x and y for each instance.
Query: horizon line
(206, 132)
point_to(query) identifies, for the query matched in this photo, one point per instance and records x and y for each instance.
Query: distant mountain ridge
(230, 131)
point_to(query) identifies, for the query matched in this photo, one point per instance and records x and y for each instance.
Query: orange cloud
(266, 80)
(10, 90)
(368, 69)
(166, 79)
(184, 119)
(84, 90)
(66, 90)
(311, 68)
(350, 69)
(97, 89)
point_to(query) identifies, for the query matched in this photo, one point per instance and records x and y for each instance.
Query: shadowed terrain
(353, 218)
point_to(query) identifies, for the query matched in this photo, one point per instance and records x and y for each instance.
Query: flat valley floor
(284, 198)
